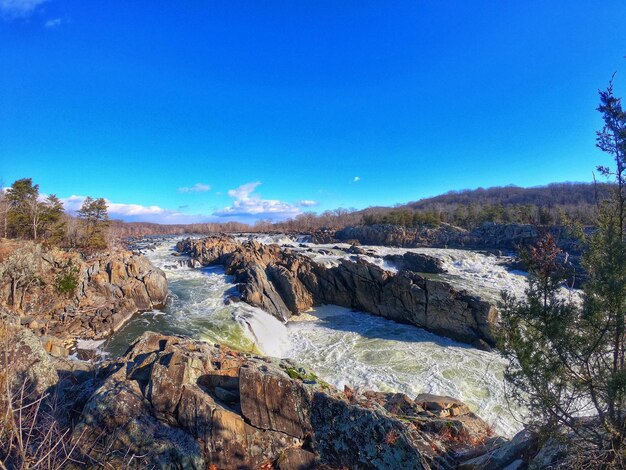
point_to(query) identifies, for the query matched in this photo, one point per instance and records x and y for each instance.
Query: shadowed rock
(284, 283)
(67, 297)
(188, 404)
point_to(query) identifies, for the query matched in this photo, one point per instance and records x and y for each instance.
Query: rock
(54, 346)
(24, 359)
(442, 406)
(271, 400)
(284, 283)
(109, 290)
(156, 286)
(523, 442)
(518, 464)
(355, 250)
(417, 262)
(188, 404)
(296, 458)
(491, 236)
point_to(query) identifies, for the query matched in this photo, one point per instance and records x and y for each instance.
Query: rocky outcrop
(172, 402)
(23, 360)
(417, 262)
(186, 404)
(487, 236)
(407, 237)
(285, 283)
(62, 296)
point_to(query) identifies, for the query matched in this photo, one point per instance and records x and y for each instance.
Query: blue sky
(239, 110)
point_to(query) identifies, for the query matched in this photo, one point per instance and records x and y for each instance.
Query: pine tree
(567, 359)
(24, 212)
(95, 220)
(52, 218)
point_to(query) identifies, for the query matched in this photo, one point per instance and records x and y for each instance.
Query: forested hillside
(503, 204)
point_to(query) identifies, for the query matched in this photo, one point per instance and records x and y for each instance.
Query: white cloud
(73, 203)
(54, 23)
(244, 191)
(138, 212)
(196, 188)
(249, 204)
(307, 203)
(246, 206)
(14, 9)
(356, 179)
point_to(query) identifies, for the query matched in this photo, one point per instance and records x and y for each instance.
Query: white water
(480, 273)
(341, 346)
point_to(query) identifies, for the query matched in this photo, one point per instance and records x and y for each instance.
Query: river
(341, 346)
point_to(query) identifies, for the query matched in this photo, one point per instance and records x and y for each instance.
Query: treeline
(24, 214)
(310, 221)
(472, 215)
(511, 204)
(119, 229)
(554, 194)
(542, 205)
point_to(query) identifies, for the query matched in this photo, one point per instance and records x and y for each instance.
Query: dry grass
(30, 434)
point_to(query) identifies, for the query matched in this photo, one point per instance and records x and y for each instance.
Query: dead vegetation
(30, 434)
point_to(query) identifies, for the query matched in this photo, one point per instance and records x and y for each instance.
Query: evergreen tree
(568, 359)
(95, 220)
(23, 216)
(52, 219)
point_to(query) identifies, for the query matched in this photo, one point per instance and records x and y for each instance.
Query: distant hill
(503, 204)
(469, 208)
(555, 194)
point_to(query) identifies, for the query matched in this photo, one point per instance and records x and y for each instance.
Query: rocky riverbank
(63, 297)
(285, 283)
(171, 402)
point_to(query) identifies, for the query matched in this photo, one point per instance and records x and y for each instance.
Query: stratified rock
(187, 404)
(284, 283)
(107, 291)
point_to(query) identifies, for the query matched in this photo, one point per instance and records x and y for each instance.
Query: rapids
(342, 347)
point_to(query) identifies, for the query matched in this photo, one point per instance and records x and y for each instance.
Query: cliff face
(60, 294)
(284, 283)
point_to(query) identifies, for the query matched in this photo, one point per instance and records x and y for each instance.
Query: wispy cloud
(248, 204)
(53, 23)
(16, 9)
(196, 188)
(307, 203)
(356, 179)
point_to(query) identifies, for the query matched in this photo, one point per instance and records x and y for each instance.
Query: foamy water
(342, 347)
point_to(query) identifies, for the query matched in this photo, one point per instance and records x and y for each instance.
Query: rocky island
(285, 283)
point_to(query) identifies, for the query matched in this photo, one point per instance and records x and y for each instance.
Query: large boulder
(24, 363)
(185, 404)
(417, 262)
